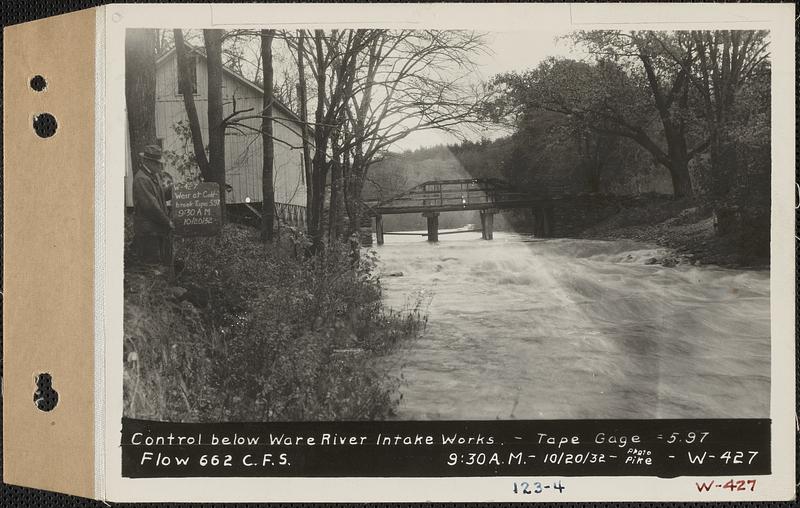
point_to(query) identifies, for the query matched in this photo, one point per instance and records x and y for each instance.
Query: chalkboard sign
(196, 209)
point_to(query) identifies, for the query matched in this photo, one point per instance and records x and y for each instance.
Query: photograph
(391, 224)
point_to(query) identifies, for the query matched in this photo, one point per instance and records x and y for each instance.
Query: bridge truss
(487, 195)
(457, 195)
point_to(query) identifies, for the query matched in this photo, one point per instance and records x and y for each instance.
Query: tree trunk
(319, 168)
(267, 185)
(185, 89)
(336, 187)
(679, 160)
(140, 89)
(335, 201)
(724, 165)
(302, 97)
(681, 181)
(356, 185)
(674, 130)
(216, 128)
(345, 178)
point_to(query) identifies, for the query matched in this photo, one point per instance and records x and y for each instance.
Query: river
(562, 328)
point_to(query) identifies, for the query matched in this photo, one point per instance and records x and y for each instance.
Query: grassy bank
(699, 231)
(249, 332)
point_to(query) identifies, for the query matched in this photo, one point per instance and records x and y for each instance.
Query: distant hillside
(546, 155)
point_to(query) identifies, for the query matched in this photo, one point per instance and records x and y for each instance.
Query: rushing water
(526, 328)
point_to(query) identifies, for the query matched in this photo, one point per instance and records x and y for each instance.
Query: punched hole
(38, 83)
(45, 125)
(45, 397)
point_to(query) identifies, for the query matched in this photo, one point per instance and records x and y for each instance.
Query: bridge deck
(457, 195)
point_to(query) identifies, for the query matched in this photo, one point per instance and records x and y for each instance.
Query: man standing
(151, 224)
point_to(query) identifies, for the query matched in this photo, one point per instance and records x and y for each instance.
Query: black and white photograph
(419, 224)
(409, 253)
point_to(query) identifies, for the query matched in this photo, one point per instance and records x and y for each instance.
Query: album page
(448, 252)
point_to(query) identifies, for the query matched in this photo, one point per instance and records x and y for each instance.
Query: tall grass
(261, 333)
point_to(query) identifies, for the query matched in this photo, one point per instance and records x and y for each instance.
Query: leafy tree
(627, 92)
(722, 65)
(675, 94)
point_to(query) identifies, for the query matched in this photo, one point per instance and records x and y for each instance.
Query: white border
(99, 249)
(778, 18)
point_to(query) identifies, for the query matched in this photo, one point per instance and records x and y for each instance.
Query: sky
(516, 50)
(507, 51)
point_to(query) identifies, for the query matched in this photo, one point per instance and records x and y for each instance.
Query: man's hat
(152, 152)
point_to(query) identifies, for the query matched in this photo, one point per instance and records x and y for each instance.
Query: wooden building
(243, 148)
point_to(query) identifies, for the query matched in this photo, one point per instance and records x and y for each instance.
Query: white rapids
(526, 328)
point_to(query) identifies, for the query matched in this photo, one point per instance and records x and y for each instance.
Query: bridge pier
(487, 224)
(379, 229)
(542, 222)
(433, 225)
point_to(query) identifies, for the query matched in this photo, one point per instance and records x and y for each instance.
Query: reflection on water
(525, 328)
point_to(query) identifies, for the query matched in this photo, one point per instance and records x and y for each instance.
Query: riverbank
(698, 231)
(254, 332)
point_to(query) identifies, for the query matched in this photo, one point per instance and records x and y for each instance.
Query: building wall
(243, 150)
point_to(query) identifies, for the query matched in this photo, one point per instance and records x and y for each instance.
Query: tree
(216, 123)
(140, 88)
(268, 189)
(630, 85)
(185, 89)
(722, 64)
(164, 41)
(596, 150)
(370, 89)
(335, 54)
(302, 95)
(406, 83)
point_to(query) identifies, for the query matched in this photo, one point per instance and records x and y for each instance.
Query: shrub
(275, 335)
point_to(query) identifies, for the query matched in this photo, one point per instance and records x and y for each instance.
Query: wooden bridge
(487, 195)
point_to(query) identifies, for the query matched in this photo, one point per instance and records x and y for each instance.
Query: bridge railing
(450, 193)
(456, 194)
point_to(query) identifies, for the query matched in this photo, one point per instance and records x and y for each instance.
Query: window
(302, 170)
(192, 74)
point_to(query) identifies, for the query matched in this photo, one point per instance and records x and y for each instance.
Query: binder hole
(45, 397)
(45, 125)
(38, 83)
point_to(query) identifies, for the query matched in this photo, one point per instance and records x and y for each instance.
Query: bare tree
(302, 94)
(372, 88)
(185, 88)
(267, 186)
(409, 81)
(334, 56)
(216, 124)
(164, 41)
